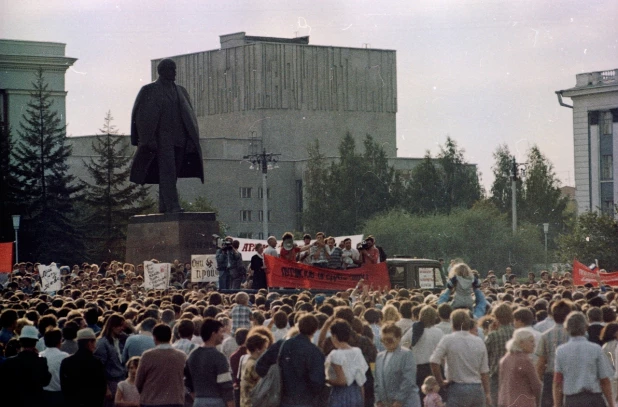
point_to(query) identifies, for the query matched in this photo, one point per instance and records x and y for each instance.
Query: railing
(597, 78)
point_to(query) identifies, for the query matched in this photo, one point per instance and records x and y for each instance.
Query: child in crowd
(127, 394)
(463, 282)
(256, 345)
(431, 388)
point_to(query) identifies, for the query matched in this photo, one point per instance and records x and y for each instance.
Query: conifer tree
(8, 186)
(47, 191)
(110, 198)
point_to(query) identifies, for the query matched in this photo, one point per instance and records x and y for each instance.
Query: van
(412, 273)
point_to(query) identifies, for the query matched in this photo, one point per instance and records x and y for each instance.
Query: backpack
(267, 392)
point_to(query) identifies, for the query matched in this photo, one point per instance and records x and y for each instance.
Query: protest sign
(156, 275)
(284, 273)
(425, 277)
(50, 278)
(204, 268)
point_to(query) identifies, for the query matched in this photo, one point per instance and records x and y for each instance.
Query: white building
(595, 129)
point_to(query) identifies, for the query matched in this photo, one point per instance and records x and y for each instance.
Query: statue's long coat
(149, 124)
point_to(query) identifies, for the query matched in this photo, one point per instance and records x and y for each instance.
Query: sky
(482, 72)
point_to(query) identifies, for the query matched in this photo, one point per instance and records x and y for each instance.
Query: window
(245, 235)
(606, 164)
(260, 235)
(261, 215)
(261, 193)
(245, 216)
(607, 167)
(245, 192)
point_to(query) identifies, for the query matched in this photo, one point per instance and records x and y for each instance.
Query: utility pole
(263, 161)
(514, 177)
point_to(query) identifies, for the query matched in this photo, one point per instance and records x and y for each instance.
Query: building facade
(595, 134)
(19, 62)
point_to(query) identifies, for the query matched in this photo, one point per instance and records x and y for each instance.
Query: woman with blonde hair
(519, 384)
(390, 314)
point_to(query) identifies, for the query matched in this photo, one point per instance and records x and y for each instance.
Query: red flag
(6, 257)
(583, 275)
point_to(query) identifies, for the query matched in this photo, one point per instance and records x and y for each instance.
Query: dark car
(415, 273)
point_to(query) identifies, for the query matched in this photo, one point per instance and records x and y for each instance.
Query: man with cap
(82, 376)
(23, 377)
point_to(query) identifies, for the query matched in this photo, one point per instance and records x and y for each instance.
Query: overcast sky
(483, 72)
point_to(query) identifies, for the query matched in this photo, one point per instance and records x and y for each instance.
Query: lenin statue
(164, 129)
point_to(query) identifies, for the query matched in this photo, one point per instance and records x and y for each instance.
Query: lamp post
(16, 220)
(545, 230)
(264, 161)
(515, 169)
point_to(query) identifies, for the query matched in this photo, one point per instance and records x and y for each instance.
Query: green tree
(593, 237)
(480, 236)
(111, 198)
(46, 190)
(424, 190)
(316, 214)
(501, 189)
(460, 180)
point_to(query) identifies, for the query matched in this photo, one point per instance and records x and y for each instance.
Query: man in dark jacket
(82, 376)
(23, 377)
(164, 129)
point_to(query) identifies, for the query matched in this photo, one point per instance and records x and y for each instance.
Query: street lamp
(545, 230)
(264, 161)
(515, 169)
(16, 220)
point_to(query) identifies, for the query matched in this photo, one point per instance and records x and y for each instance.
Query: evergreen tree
(111, 198)
(424, 191)
(46, 190)
(460, 180)
(501, 189)
(315, 215)
(8, 187)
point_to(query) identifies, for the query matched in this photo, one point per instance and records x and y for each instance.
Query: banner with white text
(247, 246)
(204, 268)
(584, 275)
(284, 273)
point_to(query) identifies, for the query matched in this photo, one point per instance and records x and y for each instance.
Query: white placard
(156, 275)
(50, 278)
(425, 277)
(204, 268)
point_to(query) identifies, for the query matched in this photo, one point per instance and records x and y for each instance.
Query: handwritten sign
(204, 268)
(156, 275)
(425, 277)
(50, 278)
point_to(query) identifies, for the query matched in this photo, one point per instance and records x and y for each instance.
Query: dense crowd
(103, 340)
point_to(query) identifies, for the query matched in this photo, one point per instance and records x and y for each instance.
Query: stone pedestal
(170, 236)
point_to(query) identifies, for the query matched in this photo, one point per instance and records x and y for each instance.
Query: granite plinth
(170, 236)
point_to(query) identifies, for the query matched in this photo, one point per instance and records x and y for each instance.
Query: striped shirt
(550, 340)
(496, 346)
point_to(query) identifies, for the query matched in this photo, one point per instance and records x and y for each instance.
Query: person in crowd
(160, 375)
(24, 376)
(302, 366)
(227, 260)
(444, 312)
(524, 319)
(546, 352)
(241, 313)
(186, 327)
(240, 338)
(92, 318)
(289, 254)
(422, 339)
(69, 333)
(82, 375)
(462, 284)
(207, 372)
(136, 345)
(519, 385)
(52, 393)
(405, 310)
(45, 322)
(609, 338)
(8, 321)
(395, 372)
(256, 345)
(350, 256)
(127, 394)
(238, 273)
(319, 251)
(345, 368)
(496, 344)
(370, 254)
(430, 389)
(505, 277)
(303, 256)
(109, 352)
(334, 254)
(271, 248)
(467, 368)
(595, 319)
(258, 268)
(582, 372)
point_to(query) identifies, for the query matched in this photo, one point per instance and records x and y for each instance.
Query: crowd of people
(100, 340)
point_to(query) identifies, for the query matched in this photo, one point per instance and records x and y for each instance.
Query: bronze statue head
(167, 69)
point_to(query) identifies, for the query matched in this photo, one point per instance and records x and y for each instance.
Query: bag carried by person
(267, 392)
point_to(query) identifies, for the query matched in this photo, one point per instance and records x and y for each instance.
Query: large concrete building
(278, 95)
(595, 134)
(19, 61)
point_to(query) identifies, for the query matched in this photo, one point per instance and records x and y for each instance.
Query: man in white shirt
(505, 277)
(350, 256)
(271, 250)
(523, 318)
(52, 393)
(467, 368)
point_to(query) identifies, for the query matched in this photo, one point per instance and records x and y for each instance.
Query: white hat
(86, 333)
(29, 332)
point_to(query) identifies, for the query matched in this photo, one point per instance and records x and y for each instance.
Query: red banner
(284, 273)
(6, 257)
(583, 275)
